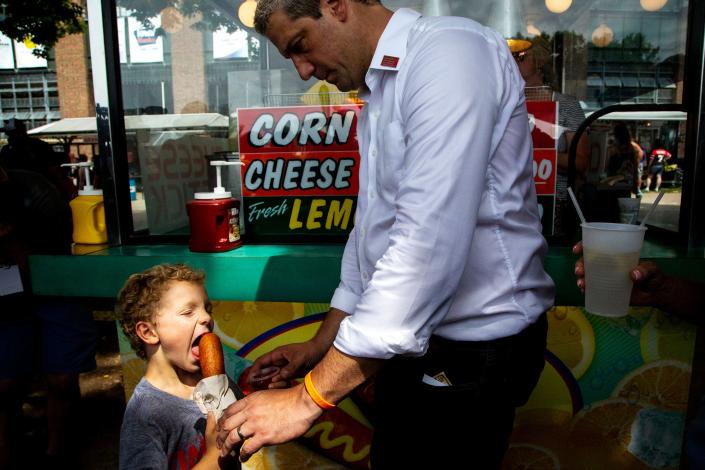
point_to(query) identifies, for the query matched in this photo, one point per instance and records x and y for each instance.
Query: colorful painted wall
(613, 393)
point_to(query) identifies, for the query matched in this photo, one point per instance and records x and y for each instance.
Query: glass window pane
(200, 59)
(661, 138)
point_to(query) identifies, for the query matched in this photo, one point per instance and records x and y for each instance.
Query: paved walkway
(667, 212)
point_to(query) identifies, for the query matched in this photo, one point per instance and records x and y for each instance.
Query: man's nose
(303, 66)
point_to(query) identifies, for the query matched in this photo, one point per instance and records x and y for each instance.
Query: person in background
(443, 293)
(23, 152)
(681, 297)
(164, 311)
(641, 172)
(36, 219)
(536, 69)
(657, 162)
(624, 159)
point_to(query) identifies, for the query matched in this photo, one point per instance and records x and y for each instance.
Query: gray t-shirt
(161, 431)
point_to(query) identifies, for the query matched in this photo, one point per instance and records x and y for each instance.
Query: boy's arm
(211, 459)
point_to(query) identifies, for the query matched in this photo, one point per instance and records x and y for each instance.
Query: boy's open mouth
(195, 350)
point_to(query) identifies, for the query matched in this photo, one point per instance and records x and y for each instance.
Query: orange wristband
(315, 396)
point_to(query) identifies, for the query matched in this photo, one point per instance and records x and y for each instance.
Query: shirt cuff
(344, 300)
(374, 342)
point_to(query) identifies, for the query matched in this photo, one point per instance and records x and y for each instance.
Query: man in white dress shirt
(442, 290)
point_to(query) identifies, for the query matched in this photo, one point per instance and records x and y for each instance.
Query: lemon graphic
(663, 384)
(543, 421)
(529, 457)
(667, 337)
(571, 338)
(290, 456)
(599, 437)
(236, 323)
(551, 392)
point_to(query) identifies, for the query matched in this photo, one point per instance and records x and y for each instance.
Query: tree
(42, 22)
(214, 14)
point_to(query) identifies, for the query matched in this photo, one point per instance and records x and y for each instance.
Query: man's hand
(293, 360)
(266, 418)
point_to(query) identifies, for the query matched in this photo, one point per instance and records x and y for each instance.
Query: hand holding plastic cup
(610, 252)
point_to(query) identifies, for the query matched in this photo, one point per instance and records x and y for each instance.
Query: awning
(78, 126)
(644, 116)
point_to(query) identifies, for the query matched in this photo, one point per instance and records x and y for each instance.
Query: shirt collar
(391, 47)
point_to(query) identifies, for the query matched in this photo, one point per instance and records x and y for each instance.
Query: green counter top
(303, 273)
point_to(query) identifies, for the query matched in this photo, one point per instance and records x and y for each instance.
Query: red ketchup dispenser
(214, 217)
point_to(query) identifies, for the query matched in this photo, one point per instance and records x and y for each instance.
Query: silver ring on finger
(239, 433)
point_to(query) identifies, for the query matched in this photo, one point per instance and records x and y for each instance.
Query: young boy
(164, 311)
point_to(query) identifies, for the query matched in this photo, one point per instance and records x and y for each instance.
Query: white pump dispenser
(219, 191)
(88, 189)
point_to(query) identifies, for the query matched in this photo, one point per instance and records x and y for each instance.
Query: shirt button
(375, 114)
(365, 276)
(362, 232)
(371, 195)
(373, 152)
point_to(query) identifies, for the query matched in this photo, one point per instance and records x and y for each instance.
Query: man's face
(323, 48)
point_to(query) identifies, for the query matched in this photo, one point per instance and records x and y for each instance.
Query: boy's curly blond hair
(138, 299)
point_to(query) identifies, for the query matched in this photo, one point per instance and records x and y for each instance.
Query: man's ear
(146, 332)
(337, 8)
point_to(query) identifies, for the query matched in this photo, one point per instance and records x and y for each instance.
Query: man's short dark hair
(295, 9)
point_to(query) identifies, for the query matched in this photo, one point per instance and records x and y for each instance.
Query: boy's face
(180, 321)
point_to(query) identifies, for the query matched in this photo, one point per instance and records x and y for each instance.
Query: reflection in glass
(202, 59)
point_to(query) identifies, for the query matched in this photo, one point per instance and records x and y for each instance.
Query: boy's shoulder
(158, 426)
(160, 412)
(148, 402)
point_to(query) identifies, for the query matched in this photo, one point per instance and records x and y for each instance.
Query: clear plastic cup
(610, 252)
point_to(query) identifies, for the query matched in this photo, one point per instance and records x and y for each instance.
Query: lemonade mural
(633, 374)
(613, 393)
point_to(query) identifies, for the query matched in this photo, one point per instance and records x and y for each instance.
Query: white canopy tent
(87, 125)
(644, 116)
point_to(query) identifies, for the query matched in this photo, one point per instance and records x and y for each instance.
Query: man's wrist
(309, 403)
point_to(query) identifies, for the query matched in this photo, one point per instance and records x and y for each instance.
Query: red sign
(545, 171)
(300, 172)
(542, 122)
(298, 128)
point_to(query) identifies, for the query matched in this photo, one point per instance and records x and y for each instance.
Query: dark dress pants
(467, 424)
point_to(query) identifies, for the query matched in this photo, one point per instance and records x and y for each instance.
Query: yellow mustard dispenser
(88, 211)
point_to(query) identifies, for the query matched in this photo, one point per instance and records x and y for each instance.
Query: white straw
(577, 207)
(652, 208)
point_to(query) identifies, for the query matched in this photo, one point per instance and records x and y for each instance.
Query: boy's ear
(146, 332)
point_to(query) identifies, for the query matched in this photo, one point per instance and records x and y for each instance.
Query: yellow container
(89, 219)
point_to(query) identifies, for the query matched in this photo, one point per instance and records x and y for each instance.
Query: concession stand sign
(300, 172)
(542, 121)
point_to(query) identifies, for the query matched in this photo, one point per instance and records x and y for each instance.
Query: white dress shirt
(447, 237)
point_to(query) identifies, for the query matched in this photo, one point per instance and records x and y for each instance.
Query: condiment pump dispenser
(214, 217)
(88, 210)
